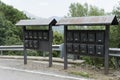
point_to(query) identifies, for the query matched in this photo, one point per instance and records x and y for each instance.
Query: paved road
(8, 72)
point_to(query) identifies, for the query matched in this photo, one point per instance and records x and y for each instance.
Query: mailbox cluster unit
(85, 42)
(38, 39)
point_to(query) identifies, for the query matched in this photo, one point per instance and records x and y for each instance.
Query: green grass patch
(83, 74)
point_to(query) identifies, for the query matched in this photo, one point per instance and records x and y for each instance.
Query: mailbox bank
(87, 42)
(37, 39)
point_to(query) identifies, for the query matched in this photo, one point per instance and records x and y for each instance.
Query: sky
(60, 8)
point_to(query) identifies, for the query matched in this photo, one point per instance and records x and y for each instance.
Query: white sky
(60, 8)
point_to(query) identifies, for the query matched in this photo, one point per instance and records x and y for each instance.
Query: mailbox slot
(45, 35)
(69, 36)
(91, 37)
(99, 49)
(76, 36)
(100, 37)
(83, 36)
(83, 48)
(76, 48)
(69, 48)
(91, 49)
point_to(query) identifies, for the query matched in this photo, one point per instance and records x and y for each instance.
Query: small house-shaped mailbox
(37, 39)
(87, 42)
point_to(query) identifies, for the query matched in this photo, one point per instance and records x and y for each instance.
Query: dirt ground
(92, 71)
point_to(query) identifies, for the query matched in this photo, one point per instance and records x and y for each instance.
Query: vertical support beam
(65, 53)
(106, 58)
(50, 40)
(24, 51)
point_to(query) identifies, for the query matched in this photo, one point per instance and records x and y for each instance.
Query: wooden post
(24, 51)
(106, 58)
(50, 42)
(65, 53)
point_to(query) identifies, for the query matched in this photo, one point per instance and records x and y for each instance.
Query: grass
(83, 74)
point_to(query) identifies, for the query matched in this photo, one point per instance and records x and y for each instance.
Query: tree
(115, 36)
(77, 10)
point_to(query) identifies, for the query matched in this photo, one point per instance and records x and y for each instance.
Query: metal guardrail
(20, 48)
(113, 51)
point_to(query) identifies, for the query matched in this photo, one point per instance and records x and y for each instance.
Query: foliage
(78, 10)
(9, 33)
(115, 36)
(83, 74)
(57, 38)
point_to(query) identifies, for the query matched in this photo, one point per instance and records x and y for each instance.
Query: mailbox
(26, 35)
(26, 43)
(99, 49)
(69, 48)
(76, 48)
(83, 48)
(30, 44)
(35, 35)
(91, 49)
(84, 37)
(69, 36)
(91, 37)
(40, 35)
(100, 37)
(76, 36)
(35, 44)
(45, 35)
(30, 34)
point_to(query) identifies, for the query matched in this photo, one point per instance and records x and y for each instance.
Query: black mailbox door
(83, 37)
(26, 44)
(45, 35)
(30, 35)
(26, 35)
(69, 36)
(35, 35)
(76, 48)
(35, 44)
(91, 37)
(40, 35)
(99, 49)
(83, 49)
(76, 36)
(100, 37)
(91, 49)
(69, 48)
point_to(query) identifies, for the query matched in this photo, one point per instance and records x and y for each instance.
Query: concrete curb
(70, 61)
